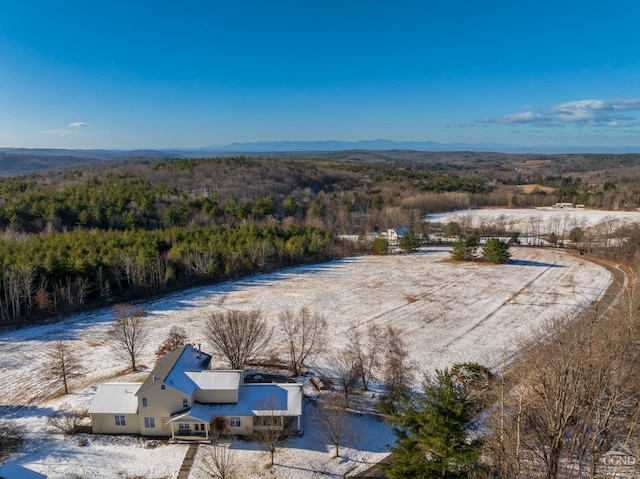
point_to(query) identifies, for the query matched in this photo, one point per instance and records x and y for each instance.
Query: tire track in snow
(511, 299)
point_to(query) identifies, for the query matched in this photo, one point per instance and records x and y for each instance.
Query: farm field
(543, 220)
(450, 312)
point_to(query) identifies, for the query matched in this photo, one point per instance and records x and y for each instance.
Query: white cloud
(582, 110)
(524, 117)
(73, 129)
(59, 132)
(628, 104)
(593, 112)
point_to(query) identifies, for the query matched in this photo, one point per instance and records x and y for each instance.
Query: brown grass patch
(533, 187)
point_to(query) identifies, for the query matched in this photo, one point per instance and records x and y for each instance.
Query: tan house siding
(213, 396)
(181, 396)
(159, 401)
(106, 424)
(245, 428)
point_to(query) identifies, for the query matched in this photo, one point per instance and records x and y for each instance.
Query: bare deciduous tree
(334, 423)
(571, 397)
(345, 372)
(67, 420)
(270, 428)
(397, 374)
(218, 461)
(503, 448)
(304, 333)
(367, 352)
(176, 339)
(238, 336)
(556, 385)
(11, 437)
(129, 333)
(63, 366)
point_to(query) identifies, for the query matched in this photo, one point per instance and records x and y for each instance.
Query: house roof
(11, 470)
(115, 398)
(218, 380)
(253, 400)
(171, 367)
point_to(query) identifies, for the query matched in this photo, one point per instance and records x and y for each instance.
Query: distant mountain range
(376, 145)
(19, 161)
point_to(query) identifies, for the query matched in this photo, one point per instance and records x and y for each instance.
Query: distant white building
(183, 398)
(394, 235)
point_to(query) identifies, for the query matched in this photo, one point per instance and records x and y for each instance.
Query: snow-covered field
(449, 312)
(537, 220)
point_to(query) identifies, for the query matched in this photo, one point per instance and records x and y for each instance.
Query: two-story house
(184, 399)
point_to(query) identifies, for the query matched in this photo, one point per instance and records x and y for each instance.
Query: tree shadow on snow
(21, 412)
(524, 262)
(216, 293)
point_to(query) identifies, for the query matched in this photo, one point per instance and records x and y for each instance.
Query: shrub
(67, 420)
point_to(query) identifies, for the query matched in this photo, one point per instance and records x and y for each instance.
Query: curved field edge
(450, 312)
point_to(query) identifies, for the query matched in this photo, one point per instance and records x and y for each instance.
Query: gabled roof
(171, 367)
(401, 230)
(216, 380)
(115, 398)
(253, 400)
(11, 470)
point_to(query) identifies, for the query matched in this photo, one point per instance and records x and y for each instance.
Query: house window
(185, 402)
(163, 387)
(183, 426)
(272, 422)
(150, 422)
(234, 421)
(199, 427)
(144, 402)
(120, 420)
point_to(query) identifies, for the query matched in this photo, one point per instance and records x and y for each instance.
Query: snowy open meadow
(543, 220)
(449, 312)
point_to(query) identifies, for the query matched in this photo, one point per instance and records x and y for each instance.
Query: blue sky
(163, 73)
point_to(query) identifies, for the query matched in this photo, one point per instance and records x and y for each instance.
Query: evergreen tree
(465, 248)
(431, 433)
(409, 242)
(496, 251)
(380, 245)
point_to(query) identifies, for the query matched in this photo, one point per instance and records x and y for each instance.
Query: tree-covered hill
(121, 229)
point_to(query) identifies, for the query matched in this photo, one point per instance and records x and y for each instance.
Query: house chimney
(199, 351)
(154, 378)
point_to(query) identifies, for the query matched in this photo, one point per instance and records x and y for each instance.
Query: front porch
(185, 428)
(189, 437)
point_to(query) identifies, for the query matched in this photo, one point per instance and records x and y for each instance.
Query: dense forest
(77, 238)
(117, 231)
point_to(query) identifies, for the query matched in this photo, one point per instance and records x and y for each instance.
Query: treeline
(569, 406)
(74, 238)
(63, 272)
(223, 191)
